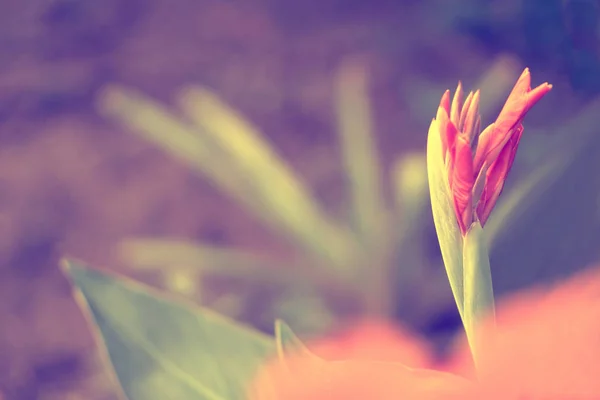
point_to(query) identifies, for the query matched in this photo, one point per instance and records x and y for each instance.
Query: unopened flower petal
(462, 182)
(471, 117)
(456, 105)
(464, 111)
(519, 102)
(445, 102)
(486, 158)
(496, 176)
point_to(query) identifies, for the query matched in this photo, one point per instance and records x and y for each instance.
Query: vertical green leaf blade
(161, 349)
(409, 179)
(446, 226)
(361, 163)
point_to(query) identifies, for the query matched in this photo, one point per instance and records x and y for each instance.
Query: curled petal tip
(536, 94)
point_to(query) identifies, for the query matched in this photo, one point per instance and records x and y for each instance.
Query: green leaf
(156, 124)
(286, 201)
(359, 152)
(161, 349)
(478, 290)
(288, 343)
(446, 226)
(161, 254)
(226, 149)
(409, 179)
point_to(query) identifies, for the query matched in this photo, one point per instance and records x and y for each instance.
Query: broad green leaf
(161, 349)
(359, 152)
(446, 226)
(286, 200)
(478, 290)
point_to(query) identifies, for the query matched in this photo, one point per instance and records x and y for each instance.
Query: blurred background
(94, 162)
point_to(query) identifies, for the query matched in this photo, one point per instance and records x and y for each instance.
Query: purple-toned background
(73, 183)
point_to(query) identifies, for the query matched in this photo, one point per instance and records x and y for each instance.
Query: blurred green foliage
(225, 148)
(370, 256)
(161, 349)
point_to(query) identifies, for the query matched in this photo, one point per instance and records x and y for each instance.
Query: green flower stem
(478, 290)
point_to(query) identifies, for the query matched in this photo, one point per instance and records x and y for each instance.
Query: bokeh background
(74, 181)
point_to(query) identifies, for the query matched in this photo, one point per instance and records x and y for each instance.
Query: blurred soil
(73, 183)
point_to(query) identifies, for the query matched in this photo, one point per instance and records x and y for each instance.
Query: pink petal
(462, 183)
(464, 111)
(445, 102)
(536, 94)
(456, 105)
(471, 117)
(519, 101)
(442, 119)
(496, 176)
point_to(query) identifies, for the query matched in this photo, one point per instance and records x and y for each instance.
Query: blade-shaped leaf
(161, 254)
(409, 180)
(288, 343)
(287, 200)
(224, 148)
(359, 152)
(154, 123)
(161, 349)
(478, 291)
(446, 226)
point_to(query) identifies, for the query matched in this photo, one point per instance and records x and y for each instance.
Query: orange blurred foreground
(545, 345)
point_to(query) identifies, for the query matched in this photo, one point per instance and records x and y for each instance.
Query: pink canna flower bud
(477, 163)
